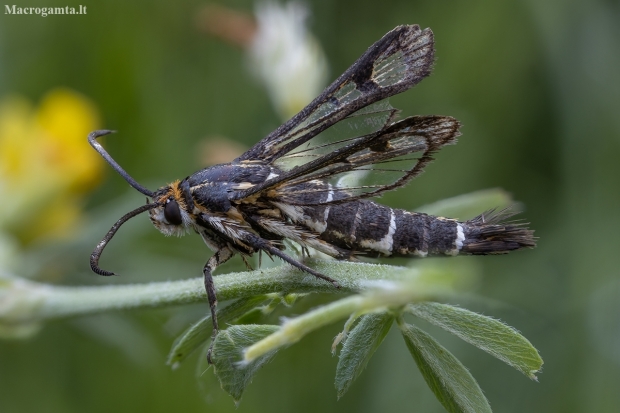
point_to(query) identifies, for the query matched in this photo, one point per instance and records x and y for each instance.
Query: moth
(310, 180)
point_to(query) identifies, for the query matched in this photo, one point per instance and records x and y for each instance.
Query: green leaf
(452, 384)
(233, 374)
(195, 336)
(359, 347)
(486, 333)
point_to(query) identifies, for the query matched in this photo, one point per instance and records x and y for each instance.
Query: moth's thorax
(211, 188)
(240, 175)
(168, 218)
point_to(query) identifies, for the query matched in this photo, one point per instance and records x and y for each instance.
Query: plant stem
(23, 301)
(382, 297)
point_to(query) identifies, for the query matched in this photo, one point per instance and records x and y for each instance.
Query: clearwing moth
(297, 184)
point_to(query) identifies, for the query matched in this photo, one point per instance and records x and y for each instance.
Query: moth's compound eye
(172, 213)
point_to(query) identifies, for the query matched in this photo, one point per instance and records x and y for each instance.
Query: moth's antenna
(92, 139)
(96, 254)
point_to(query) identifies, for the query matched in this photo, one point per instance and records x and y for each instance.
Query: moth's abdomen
(360, 226)
(422, 235)
(365, 227)
(372, 229)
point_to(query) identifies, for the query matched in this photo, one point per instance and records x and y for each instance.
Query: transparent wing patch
(363, 122)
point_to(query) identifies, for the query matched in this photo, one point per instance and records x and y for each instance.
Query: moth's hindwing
(372, 164)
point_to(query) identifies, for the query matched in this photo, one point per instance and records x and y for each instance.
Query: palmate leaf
(359, 347)
(486, 333)
(233, 374)
(452, 384)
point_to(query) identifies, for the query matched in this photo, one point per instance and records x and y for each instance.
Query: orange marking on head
(173, 191)
(177, 194)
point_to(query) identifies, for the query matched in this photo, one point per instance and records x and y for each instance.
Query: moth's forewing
(399, 60)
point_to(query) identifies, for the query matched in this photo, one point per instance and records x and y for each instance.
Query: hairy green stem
(23, 301)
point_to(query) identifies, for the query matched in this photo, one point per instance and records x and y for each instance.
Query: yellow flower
(46, 164)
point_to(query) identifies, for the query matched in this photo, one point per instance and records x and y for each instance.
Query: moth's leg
(264, 245)
(221, 256)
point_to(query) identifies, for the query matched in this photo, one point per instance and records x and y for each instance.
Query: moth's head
(171, 216)
(170, 210)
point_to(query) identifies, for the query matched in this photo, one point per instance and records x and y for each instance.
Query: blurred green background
(536, 85)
